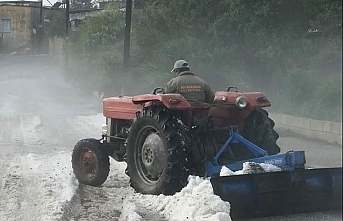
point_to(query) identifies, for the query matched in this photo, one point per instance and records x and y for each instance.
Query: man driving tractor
(190, 86)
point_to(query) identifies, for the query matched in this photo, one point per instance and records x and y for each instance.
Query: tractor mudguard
(170, 101)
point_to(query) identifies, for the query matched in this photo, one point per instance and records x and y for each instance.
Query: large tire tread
(175, 174)
(259, 129)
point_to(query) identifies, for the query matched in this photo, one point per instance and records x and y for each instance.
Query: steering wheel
(232, 87)
(158, 90)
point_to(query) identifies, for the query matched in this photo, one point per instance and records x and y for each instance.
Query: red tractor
(163, 138)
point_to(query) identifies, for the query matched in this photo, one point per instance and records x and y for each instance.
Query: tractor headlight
(104, 129)
(241, 102)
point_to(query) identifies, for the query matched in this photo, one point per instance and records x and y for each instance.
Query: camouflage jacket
(192, 87)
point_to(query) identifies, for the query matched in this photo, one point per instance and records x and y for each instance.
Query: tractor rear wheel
(156, 152)
(259, 129)
(90, 162)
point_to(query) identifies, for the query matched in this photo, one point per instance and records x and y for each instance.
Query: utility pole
(40, 27)
(128, 11)
(67, 18)
(67, 33)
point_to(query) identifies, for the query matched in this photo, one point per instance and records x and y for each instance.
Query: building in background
(24, 24)
(22, 27)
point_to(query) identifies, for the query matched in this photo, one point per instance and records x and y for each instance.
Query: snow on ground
(195, 202)
(95, 121)
(45, 183)
(50, 184)
(35, 187)
(89, 126)
(20, 129)
(55, 181)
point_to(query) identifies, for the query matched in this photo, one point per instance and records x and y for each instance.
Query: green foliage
(81, 4)
(281, 47)
(288, 49)
(56, 26)
(101, 31)
(96, 50)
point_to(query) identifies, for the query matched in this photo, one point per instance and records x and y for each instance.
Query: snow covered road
(41, 118)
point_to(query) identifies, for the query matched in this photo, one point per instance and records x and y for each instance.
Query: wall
(57, 50)
(20, 26)
(326, 131)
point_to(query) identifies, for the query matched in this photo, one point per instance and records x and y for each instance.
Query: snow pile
(269, 167)
(250, 168)
(195, 202)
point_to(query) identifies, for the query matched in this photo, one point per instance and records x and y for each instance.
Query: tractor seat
(200, 114)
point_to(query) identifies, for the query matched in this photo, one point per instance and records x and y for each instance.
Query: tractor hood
(120, 108)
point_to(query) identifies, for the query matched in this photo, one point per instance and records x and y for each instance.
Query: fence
(327, 131)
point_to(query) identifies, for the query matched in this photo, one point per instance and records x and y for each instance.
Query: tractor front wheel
(90, 162)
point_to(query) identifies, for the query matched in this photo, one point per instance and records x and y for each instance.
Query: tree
(56, 26)
(285, 48)
(81, 4)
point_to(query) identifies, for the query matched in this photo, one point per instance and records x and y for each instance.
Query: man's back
(193, 88)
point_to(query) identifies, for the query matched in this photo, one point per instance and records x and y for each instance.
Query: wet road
(317, 154)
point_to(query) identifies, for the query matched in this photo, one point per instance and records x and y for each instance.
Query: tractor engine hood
(120, 108)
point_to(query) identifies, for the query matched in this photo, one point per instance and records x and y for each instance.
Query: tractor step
(282, 192)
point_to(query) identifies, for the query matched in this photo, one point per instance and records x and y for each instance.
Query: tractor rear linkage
(287, 162)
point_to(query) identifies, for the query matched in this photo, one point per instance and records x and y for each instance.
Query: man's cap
(180, 64)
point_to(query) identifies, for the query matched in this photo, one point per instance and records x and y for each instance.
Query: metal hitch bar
(287, 162)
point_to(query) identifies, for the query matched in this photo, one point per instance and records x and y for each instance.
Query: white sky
(45, 2)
